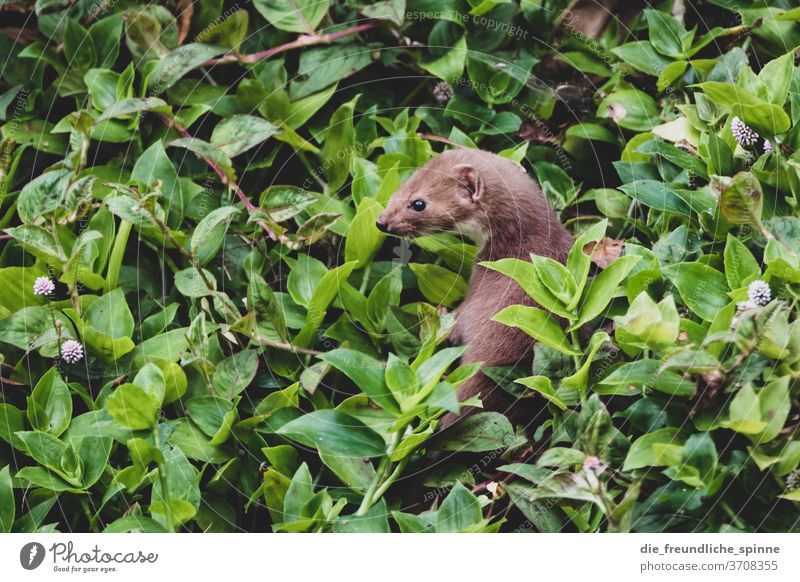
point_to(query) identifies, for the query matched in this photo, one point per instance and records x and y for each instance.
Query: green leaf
(210, 414)
(235, 373)
(7, 502)
(630, 109)
(741, 200)
(363, 237)
(133, 105)
(179, 62)
(204, 149)
(324, 293)
(657, 195)
(339, 145)
(335, 432)
(741, 267)
(556, 278)
(177, 491)
(538, 324)
(700, 453)
(525, 273)
(666, 33)
(262, 301)
(542, 385)
(653, 325)
(641, 56)
(111, 315)
(642, 454)
(702, 288)
(52, 396)
(16, 287)
(439, 285)
(36, 133)
(106, 34)
(460, 510)
(24, 327)
(670, 74)
(38, 242)
(355, 472)
(542, 514)
(284, 202)
(579, 258)
(401, 378)
(720, 156)
(484, 431)
(367, 373)
(155, 166)
(602, 289)
(293, 15)
(228, 33)
(774, 404)
(191, 283)
(44, 448)
(675, 155)
(776, 77)
(133, 407)
(322, 67)
(449, 66)
(766, 118)
(236, 134)
(210, 232)
(78, 46)
(43, 195)
(392, 10)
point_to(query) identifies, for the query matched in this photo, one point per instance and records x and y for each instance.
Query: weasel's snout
(381, 226)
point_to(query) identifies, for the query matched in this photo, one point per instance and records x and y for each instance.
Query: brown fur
(497, 204)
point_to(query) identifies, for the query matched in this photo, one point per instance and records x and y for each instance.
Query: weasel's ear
(471, 180)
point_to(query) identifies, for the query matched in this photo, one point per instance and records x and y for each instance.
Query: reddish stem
(172, 122)
(301, 41)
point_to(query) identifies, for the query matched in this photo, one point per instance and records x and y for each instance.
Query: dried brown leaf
(606, 252)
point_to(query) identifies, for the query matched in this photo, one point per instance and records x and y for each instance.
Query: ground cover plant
(201, 329)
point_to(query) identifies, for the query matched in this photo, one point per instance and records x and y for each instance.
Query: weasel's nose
(381, 226)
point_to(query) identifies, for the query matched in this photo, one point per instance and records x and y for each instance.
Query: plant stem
(304, 160)
(172, 122)
(284, 346)
(365, 278)
(117, 252)
(162, 480)
(10, 213)
(576, 345)
(5, 183)
(376, 487)
(88, 513)
(301, 41)
(398, 470)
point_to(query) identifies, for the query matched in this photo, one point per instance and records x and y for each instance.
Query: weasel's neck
(519, 237)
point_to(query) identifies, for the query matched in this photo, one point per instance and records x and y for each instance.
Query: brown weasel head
(444, 195)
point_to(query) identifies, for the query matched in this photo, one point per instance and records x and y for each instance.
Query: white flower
(72, 351)
(743, 134)
(759, 292)
(43, 286)
(767, 146)
(443, 92)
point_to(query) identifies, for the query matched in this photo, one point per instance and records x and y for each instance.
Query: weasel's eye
(418, 205)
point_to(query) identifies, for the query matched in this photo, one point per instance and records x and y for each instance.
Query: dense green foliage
(202, 329)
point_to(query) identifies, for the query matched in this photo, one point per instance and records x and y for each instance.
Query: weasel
(493, 201)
